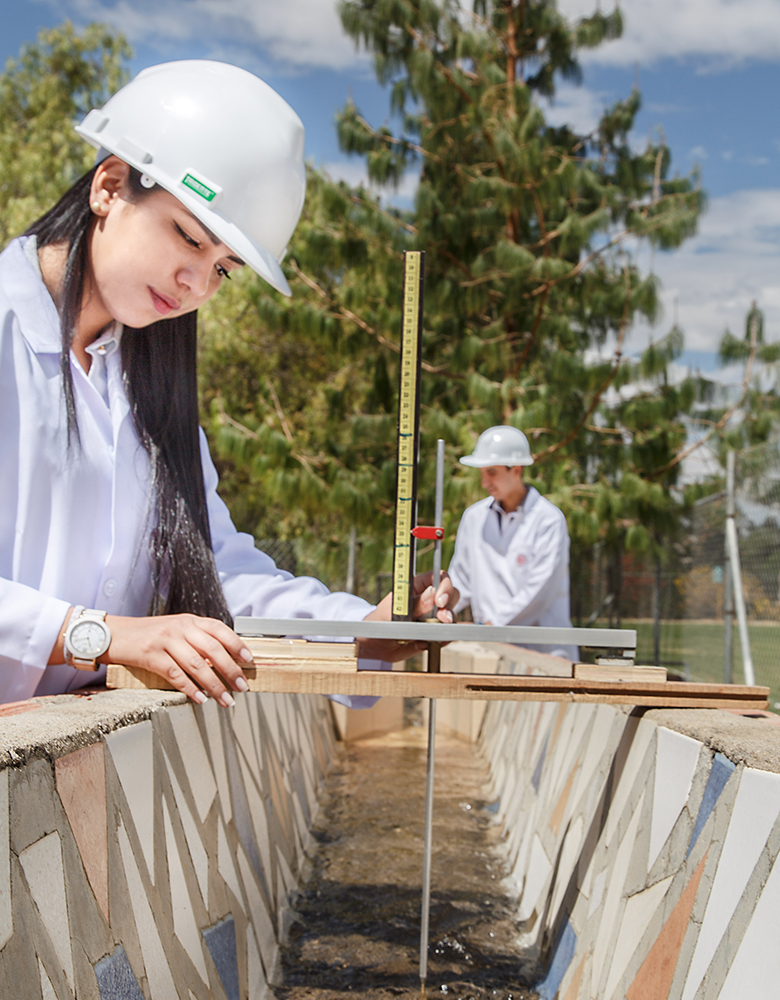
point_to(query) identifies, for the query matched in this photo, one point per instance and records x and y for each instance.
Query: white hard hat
(502, 445)
(220, 140)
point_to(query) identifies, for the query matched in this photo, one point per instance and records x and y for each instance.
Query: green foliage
(43, 93)
(530, 290)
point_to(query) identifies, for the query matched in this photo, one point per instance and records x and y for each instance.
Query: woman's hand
(199, 656)
(442, 601)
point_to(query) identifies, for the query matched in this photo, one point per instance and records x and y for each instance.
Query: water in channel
(357, 916)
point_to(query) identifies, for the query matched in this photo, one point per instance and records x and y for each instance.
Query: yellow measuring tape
(408, 435)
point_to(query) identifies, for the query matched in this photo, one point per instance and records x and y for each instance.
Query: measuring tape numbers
(408, 435)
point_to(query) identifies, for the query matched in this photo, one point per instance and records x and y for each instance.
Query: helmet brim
(486, 463)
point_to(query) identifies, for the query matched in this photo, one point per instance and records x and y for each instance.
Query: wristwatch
(86, 638)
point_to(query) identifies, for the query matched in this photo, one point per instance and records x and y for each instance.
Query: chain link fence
(676, 600)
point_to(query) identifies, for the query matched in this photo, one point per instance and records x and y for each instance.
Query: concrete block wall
(643, 848)
(147, 846)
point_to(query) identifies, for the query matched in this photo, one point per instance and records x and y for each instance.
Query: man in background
(511, 561)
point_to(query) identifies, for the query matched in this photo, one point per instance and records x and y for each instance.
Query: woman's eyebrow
(214, 239)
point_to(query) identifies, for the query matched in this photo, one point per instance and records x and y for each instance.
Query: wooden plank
(284, 655)
(486, 687)
(619, 673)
(298, 653)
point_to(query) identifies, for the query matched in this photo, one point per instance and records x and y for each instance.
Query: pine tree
(43, 94)
(531, 285)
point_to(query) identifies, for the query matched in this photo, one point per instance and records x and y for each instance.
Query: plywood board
(621, 672)
(487, 687)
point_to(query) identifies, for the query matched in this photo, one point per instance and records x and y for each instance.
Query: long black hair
(159, 364)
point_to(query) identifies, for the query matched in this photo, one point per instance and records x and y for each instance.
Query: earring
(95, 206)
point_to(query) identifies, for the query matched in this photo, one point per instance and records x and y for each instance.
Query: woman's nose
(196, 279)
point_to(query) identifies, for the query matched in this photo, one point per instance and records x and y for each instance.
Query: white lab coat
(74, 523)
(513, 568)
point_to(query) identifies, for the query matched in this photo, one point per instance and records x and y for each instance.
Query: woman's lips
(163, 303)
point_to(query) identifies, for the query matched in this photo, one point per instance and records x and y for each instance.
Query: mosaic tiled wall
(643, 859)
(155, 863)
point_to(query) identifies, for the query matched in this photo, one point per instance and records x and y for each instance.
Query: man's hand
(442, 601)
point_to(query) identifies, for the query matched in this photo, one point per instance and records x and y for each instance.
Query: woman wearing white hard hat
(113, 542)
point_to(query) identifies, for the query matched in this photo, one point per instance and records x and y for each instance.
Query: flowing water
(357, 916)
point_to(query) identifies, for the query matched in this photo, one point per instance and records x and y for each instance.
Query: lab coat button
(109, 588)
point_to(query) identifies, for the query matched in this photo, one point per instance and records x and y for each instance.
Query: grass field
(699, 645)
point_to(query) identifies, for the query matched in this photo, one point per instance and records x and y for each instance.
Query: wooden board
(619, 672)
(477, 687)
(299, 653)
(288, 656)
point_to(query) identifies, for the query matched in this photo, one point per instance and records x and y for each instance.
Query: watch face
(87, 638)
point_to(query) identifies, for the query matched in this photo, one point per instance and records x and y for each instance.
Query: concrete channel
(152, 849)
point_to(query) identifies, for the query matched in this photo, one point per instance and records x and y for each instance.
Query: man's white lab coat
(513, 568)
(74, 522)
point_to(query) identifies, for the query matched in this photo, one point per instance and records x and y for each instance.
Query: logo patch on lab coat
(521, 560)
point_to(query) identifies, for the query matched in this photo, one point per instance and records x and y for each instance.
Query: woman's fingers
(198, 656)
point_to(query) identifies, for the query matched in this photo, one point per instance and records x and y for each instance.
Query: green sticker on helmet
(199, 187)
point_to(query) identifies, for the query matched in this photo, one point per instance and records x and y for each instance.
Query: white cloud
(712, 279)
(578, 107)
(722, 32)
(354, 172)
(290, 33)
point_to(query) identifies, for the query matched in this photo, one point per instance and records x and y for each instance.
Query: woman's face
(150, 257)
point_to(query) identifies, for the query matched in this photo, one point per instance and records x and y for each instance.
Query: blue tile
(720, 772)
(538, 769)
(116, 980)
(221, 942)
(564, 953)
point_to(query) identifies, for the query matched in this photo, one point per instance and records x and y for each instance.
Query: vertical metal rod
(433, 664)
(439, 511)
(426, 888)
(351, 560)
(728, 583)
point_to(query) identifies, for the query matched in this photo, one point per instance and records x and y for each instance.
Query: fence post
(350, 588)
(728, 597)
(739, 594)
(657, 611)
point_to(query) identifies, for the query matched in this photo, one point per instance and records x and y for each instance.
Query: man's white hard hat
(502, 445)
(222, 142)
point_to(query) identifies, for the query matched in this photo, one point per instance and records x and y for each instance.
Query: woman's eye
(223, 272)
(186, 236)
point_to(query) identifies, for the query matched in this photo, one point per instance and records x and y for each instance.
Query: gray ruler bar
(520, 635)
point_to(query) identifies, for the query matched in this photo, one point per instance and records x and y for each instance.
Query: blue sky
(709, 72)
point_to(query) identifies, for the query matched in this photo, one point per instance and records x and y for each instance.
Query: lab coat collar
(39, 321)
(108, 342)
(531, 496)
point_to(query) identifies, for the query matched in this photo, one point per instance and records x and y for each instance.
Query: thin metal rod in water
(433, 655)
(426, 889)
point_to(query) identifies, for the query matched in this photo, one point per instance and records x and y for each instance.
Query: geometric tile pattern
(81, 784)
(45, 875)
(147, 855)
(116, 979)
(221, 942)
(645, 864)
(720, 772)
